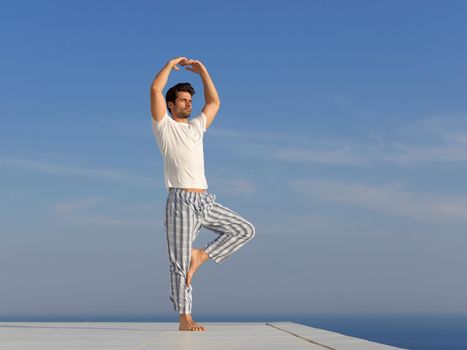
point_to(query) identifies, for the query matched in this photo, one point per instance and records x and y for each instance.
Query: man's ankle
(185, 317)
(202, 253)
(205, 255)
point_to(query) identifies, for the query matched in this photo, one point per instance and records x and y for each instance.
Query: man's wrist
(204, 72)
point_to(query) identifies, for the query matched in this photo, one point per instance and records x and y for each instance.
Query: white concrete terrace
(165, 336)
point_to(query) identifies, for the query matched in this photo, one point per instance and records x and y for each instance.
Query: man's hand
(196, 66)
(183, 61)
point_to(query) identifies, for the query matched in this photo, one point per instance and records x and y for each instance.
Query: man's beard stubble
(185, 115)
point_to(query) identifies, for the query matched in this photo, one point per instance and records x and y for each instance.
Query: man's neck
(180, 120)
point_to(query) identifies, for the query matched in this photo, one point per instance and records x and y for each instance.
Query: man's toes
(198, 328)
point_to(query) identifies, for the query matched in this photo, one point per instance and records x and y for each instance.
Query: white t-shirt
(181, 146)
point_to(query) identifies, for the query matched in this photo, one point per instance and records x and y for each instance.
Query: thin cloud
(388, 199)
(232, 185)
(71, 170)
(71, 207)
(460, 138)
(290, 148)
(429, 140)
(342, 156)
(438, 139)
(445, 153)
(109, 221)
(72, 211)
(248, 135)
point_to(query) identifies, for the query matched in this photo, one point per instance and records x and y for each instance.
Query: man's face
(182, 106)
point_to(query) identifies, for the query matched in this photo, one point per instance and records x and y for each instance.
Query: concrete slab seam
(299, 336)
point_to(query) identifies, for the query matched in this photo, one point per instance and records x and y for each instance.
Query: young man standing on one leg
(189, 206)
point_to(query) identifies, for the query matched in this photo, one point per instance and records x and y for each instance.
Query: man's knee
(249, 230)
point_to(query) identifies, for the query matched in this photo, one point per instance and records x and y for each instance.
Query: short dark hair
(172, 93)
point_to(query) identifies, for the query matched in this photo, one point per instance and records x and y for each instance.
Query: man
(189, 206)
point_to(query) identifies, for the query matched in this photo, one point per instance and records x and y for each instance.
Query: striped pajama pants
(186, 213)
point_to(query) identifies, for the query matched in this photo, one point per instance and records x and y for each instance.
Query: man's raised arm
(212, 102)
(158, 104)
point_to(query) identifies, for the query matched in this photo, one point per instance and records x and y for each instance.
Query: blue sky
(342, 135)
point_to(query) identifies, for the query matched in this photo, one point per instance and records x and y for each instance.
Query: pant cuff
(209, 250)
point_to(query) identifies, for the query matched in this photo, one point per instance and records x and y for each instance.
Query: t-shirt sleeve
(158, 126)
(200, 122)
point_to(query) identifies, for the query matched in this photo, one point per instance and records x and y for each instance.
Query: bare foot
(187, 324)
(198, 258)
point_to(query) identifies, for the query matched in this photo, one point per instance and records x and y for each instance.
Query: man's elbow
(155, 89)
(216, 105)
